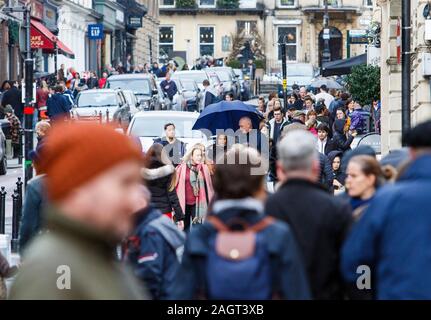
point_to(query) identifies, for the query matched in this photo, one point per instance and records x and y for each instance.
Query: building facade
(207, 29)
(300, 22)
(387, 13)
(146, 44)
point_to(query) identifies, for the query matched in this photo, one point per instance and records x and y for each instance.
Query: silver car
(229, 79)
(90, 104)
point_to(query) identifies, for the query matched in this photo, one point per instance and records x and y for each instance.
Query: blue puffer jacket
(156, 252)
(393, 237)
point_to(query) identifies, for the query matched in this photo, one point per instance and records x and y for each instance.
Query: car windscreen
(97, 99)
(154, 127)
(224, 75)
(188, 85)
(138, 86)
(198, 77)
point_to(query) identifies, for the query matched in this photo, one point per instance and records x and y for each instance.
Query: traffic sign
(95, 31)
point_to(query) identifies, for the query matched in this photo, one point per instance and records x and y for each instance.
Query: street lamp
(282, 44)
(326, 54)
(28, 107)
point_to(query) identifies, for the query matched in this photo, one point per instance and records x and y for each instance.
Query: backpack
(238, 264)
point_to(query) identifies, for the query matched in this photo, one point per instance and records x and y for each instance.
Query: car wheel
(3, 166)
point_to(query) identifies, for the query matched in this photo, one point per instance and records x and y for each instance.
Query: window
(207, 3)
(247, 27)
(206, 41)
(166, 41)
(289, 35)
(167, 3)
(368, 3)
(287, 3)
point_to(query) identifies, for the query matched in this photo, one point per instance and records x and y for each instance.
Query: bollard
(107, 116)
(15, 221)
(19, 184)
(100, 116)
(2, 210)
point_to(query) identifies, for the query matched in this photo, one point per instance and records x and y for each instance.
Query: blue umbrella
(226, 115)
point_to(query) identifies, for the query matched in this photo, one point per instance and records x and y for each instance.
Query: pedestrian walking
(15, 130)
(61, 75)
(92, 81)
(12, 97)
(102, 81)
(175, 148)
(324, 95)
(324, 144)
(58, 108)
(277, 124)
(239, 253)
(208, 95)
(194, 187)
(318, 220)
(154, 249)
(364, 176)
(160, 179)
(42, 96)
(169, 88)
(392, 235)
(90, 212)
(339, 176)
(342, 139)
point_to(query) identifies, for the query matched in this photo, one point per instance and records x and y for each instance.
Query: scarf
(200, 180)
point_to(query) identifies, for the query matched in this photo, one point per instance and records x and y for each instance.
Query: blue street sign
(95, 31)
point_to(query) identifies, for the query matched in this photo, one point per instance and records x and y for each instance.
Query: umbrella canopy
(343, 66)
(330, 83)
(226, 115)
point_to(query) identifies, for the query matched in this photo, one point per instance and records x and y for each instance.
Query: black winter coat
(320, 222)
(158, 181)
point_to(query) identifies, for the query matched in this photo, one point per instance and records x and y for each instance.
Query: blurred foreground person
(392, 237)
(91, 211)
(155, 247)
(238, 253)
(318, 219)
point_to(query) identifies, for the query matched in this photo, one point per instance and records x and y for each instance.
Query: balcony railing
(210, 4)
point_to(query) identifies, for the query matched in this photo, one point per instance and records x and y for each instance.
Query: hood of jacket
(339, 125)
(418, 169)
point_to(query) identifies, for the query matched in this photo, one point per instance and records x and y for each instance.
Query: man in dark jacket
(155, 248)
(169, 87)
(391, 238)
(239, 201)
(13, 97)
(175, 147)
(57, 106)
(318, 220)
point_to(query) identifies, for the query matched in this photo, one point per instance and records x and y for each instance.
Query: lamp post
(28, 101)
(326, 54)
(405, 67)
(282, 44)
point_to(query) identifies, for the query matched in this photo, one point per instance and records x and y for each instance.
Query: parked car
(191, 94)
(199, 76)
(148, 126)
(178, 102)
(229, 80)
(90, 103)
(4, 124)
(143, 85)
(132, 101)
(244, 84)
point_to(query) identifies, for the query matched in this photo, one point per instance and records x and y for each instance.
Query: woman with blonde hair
(194, 186)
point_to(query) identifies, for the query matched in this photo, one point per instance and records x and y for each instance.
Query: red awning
(42, 38)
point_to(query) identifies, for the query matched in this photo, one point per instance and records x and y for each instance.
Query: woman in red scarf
(194, 187)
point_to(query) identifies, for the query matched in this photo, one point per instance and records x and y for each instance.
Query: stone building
(146, 44)
(387, 12)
